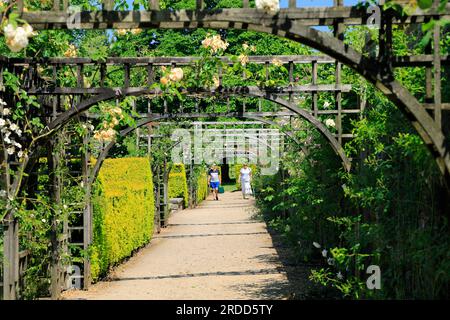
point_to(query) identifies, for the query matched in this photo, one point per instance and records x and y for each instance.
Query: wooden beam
(282, 91)
(325, 16)
(437, 75)
(164, 61)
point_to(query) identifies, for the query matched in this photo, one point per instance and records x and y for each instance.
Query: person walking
(245, 178)
(214, 180)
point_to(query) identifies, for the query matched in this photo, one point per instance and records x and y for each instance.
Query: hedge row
(202, 186)
(124, 209)
(178, 187)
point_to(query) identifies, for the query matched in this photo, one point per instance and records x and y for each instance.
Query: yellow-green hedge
(237, 173)
(202, 186)
(178, 187)
(124, 208)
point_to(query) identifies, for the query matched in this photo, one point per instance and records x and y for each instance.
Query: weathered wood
(153, 4)
(150, 74)
(87, 212)
(10, 257)
(199, 4)
(437, 75)
(20, 5)
(126, 68)
(285, 90)
(80, 78)
(165, 61)
(56, 5)
(55, 193)
(339, 34)
(191, 18)
(108, 5)
(314, 82)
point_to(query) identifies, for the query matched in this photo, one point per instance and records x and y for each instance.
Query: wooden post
(437, 75)
(87, 214)
(126, 68)
(56, 5)
(314, 93)
(108, 5)
(53, 161)
(149, 74)
(10, 257)
(199, 4)
(153, 4)
(149, 131)
(80, 80)
(338, 33)
(291, 79)
(138, 131)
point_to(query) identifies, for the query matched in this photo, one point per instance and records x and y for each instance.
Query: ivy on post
(339, 28)
(53, 161)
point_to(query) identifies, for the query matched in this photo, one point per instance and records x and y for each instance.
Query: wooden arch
(291, 23)
(242, 91)
(104, 153)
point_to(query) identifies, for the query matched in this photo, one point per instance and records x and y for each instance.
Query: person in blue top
(214, 180)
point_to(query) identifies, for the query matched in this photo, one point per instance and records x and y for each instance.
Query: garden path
(218, 250)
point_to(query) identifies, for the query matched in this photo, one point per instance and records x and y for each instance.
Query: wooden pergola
(293, 23)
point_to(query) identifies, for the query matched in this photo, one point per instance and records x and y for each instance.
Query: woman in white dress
(245, 178)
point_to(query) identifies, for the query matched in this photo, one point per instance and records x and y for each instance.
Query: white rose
(268, 5)
(19, 40)
(330, 123)
(9, 31)
(2, 102)
(2, 122)
(7, 140)
(176, 74)
(6, 111)
(10, 150)
(29, 31)
(13, 127)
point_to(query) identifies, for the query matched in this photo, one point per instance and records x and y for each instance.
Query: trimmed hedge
(124, 208)
(178, 187)
(202, 186)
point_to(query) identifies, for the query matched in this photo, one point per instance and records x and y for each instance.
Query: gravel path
(216, 251)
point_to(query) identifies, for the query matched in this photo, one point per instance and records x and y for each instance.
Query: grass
(229, 187)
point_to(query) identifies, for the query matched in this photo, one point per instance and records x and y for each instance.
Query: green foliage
(202, 185)
(178, 183)
(124, 210)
